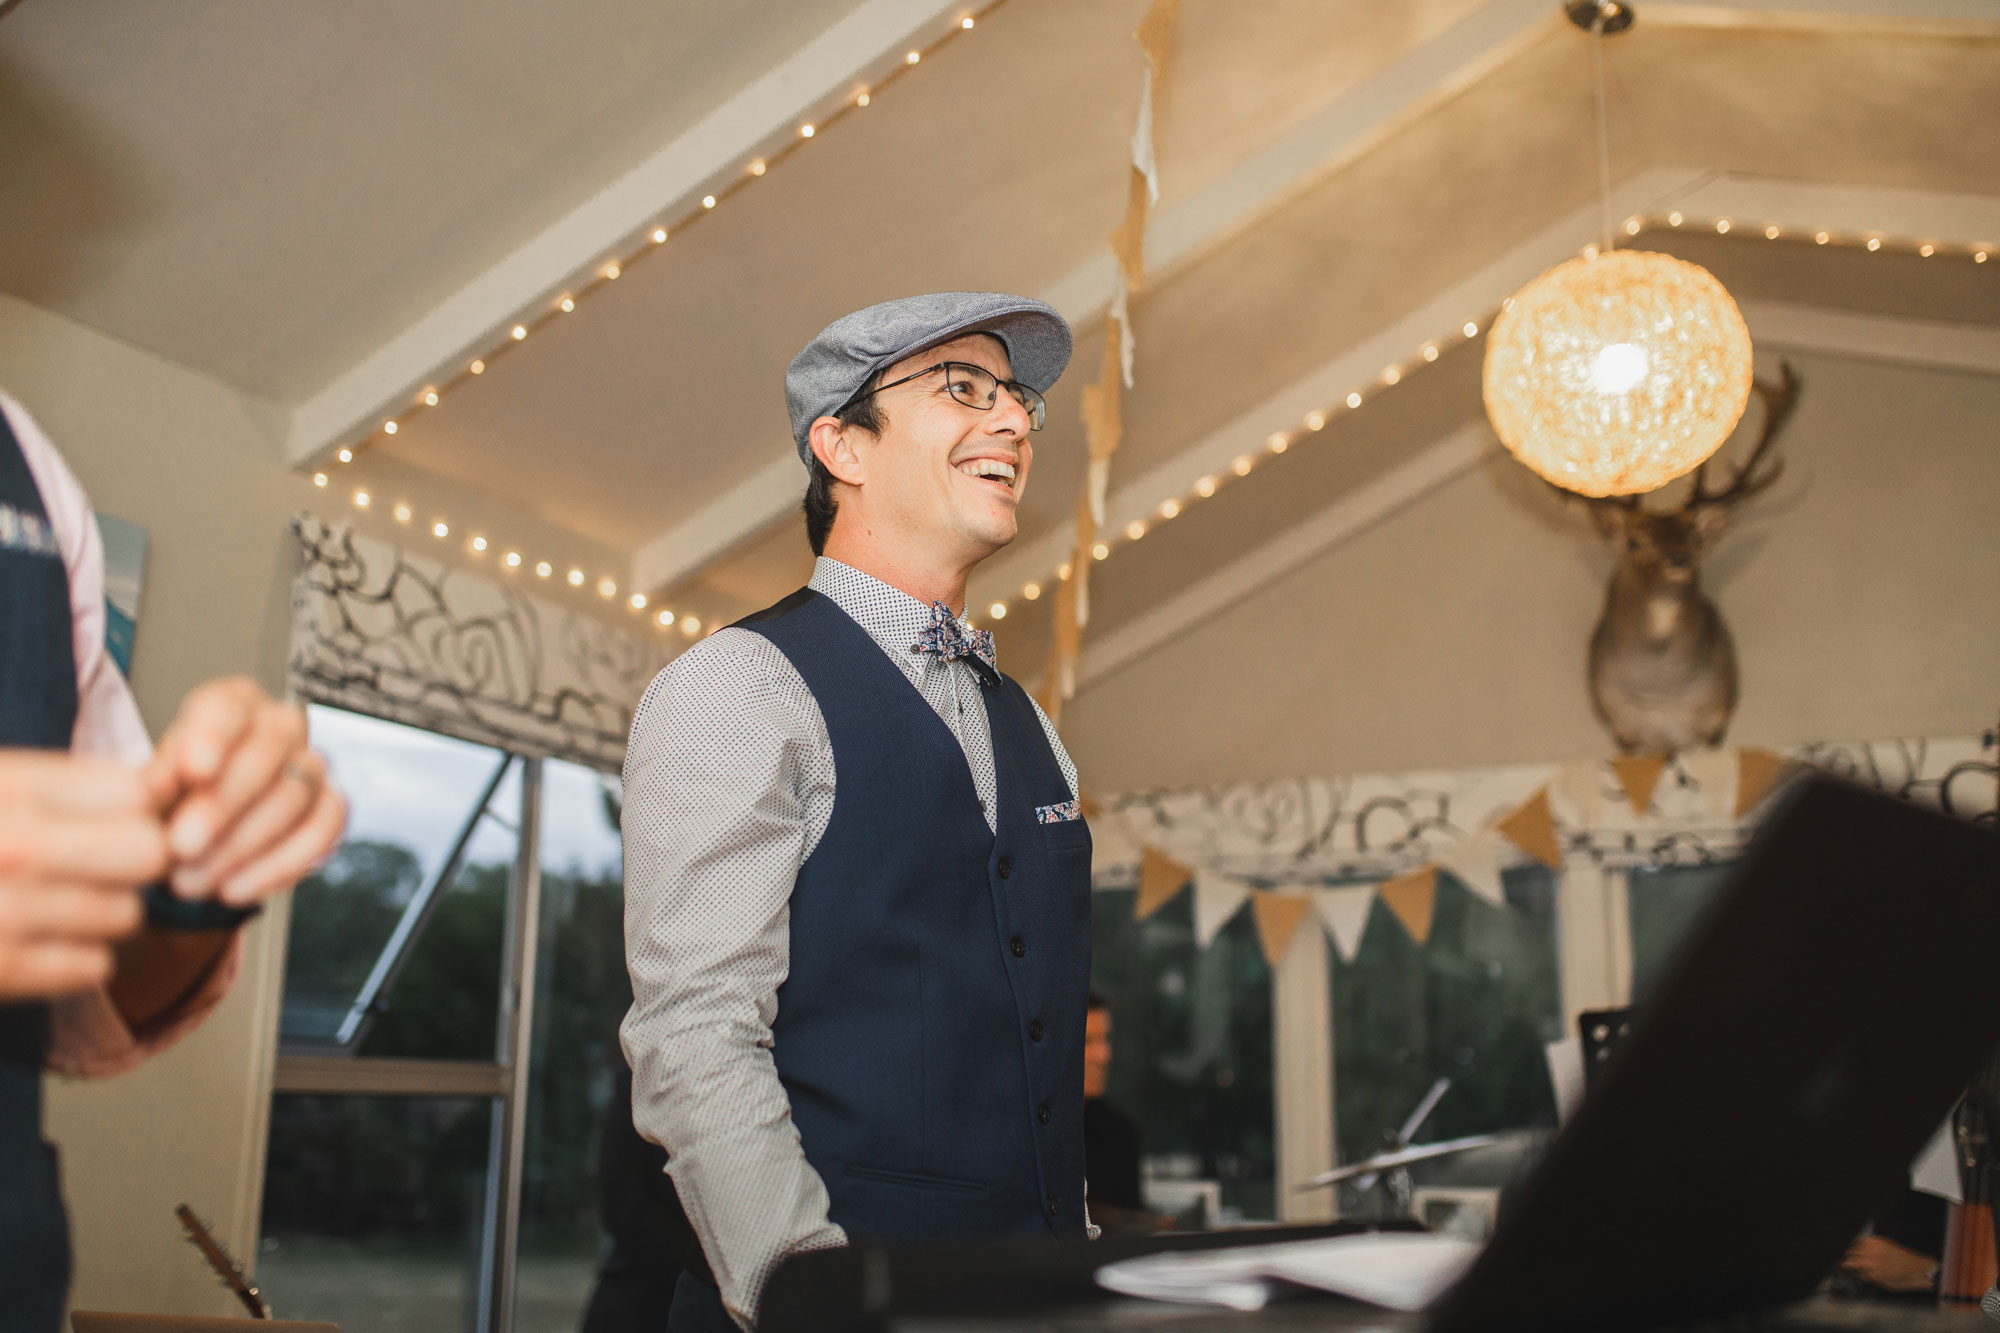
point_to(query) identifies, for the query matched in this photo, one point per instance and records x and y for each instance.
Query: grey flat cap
(831, 369)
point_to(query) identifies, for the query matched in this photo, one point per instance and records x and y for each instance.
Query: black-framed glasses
(976, 387)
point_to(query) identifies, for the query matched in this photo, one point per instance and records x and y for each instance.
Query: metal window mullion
(513, 1045)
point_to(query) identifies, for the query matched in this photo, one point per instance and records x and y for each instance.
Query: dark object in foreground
(1825, 1013)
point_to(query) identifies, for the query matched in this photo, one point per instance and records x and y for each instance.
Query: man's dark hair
(1096, 1001)
(820, 506)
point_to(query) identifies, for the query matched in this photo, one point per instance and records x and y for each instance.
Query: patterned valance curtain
(379, 630)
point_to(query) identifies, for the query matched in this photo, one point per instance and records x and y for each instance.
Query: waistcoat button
(1018, 945)
(1044, 1114)
(1006, 867)
(1055, 1204)
(1035, 1030)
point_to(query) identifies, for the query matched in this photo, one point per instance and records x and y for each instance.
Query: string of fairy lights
(1168, 507)
(1208, 484)
(644, 242)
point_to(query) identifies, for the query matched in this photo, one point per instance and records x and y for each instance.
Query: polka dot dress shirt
(729, 781)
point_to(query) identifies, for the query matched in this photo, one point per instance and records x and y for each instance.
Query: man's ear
(833, 446)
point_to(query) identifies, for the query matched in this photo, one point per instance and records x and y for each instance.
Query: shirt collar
(891, 616)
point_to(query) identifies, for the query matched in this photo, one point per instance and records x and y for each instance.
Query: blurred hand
(78, 838)
(1888, 1265)
(249, 809)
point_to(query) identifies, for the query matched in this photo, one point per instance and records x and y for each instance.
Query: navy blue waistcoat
(930, 1031)
(37, 710)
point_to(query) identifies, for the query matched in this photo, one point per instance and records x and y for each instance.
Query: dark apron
(37, 709)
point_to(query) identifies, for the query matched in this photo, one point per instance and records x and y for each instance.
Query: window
(1191, 1052)
(412, 1181)
(1475, 1004)
(1663, 904)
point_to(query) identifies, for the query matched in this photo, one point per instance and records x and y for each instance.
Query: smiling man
(857, 878)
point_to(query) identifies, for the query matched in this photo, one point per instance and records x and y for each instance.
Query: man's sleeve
(717, 774)
(89, 1038)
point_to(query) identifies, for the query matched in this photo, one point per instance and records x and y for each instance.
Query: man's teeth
(988, 467)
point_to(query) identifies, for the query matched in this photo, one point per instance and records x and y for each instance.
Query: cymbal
(1388, 1161)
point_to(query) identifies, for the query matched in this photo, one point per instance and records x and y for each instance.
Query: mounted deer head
(1662, 665)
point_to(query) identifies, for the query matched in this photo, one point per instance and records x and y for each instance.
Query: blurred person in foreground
(125, 871)
(1113, 1147)
(861, 1013)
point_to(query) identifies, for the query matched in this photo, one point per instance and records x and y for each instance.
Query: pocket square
(1060, 813)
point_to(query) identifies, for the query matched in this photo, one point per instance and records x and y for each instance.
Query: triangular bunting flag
(1278, 917)
(1532, 828)
(1714, 776)
(1638, 774)
(1216, 898)
(1757, 771)
(1345, 912)
(1160, 878)
(1411, 898)
(1476, 863)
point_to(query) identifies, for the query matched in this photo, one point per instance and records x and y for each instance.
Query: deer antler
(1779, 400)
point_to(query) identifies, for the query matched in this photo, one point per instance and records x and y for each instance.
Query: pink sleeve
(90, 1039)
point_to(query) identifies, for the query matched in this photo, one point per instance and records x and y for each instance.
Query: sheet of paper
(1936, 1169)
(1397, 1270)
(1566, 1074)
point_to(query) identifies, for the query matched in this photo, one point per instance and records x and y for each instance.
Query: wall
(1864, 594)
(196, 464)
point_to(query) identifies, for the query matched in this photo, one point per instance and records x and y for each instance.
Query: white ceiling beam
(715, 148)
(1906, 17)
(1933, 344)
(1351, 514)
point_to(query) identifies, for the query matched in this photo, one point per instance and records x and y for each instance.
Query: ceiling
(271, 192)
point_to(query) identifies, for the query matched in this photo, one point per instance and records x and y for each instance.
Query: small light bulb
(806, 131)
(659, 236)
(1205, 487)
(612, 270)
(1590, 251)
(913, 57)
(666, 619)
(1471, 329)
(638, 600)
(1722, 226)
(1978, 256)
(1170, 509)
(1315, 421)
(708, 201)
(1031, 591)
(606, 588)
(319, 478)
(1771, 232)
(576, 578)
(1631, 226)
(1821, 237)
(1874, 242)
(478, 543)
(998, 610)
(1392, 376)
(1430, 353)
(1241, 467)
(1673, 219)
(1099, 551)
(402, 513)
(430, 397)
(1278, 443)
(690, 625)
(543, 569)
(758, 168)
(389, 428)
(361, 499)
(1927, 249)
(520, 332)
(966, 23)
(567, 304)
(1063, 571)
(345, 455)
(862, 100)
(440, 530)
(477, 367)
(513, 559)
(1354, 400)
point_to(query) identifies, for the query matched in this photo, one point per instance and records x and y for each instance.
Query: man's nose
(1007, 416)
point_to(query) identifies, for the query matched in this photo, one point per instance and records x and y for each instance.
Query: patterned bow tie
(949, 641)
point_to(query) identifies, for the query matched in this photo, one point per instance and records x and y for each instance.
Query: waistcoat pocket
(914, 1180)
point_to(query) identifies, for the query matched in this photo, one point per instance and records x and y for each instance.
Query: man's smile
(991, 471)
